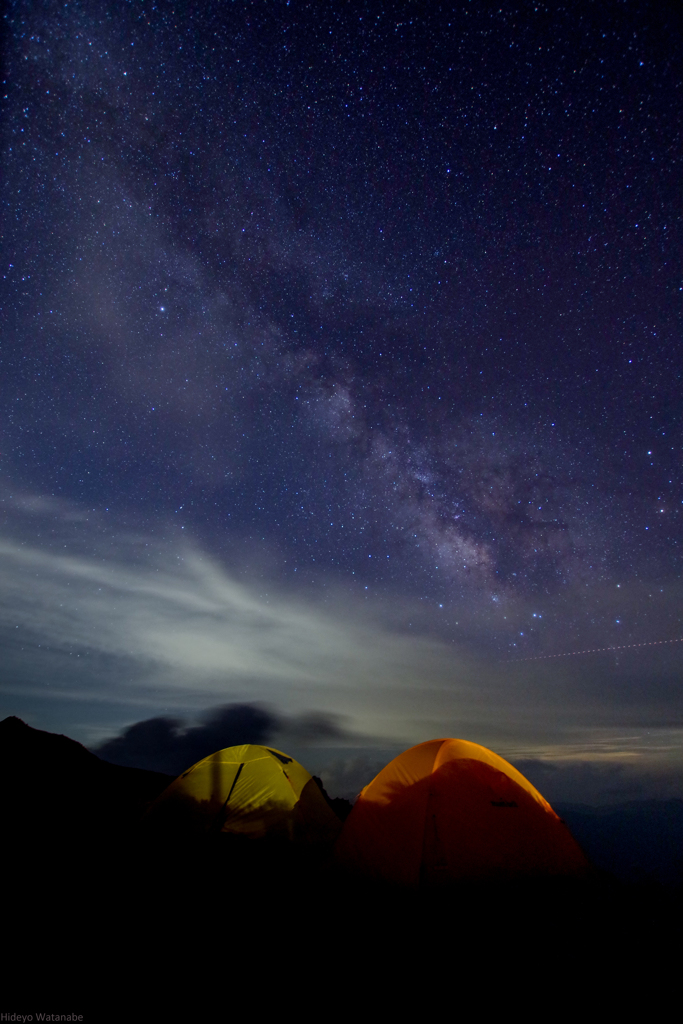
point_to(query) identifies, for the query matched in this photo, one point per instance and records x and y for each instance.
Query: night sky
(341, 374)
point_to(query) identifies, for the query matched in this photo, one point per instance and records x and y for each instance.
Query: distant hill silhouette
(53, 787)
(639, 841)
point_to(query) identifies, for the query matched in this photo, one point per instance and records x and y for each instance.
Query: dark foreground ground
(100, 918)
(138, 933)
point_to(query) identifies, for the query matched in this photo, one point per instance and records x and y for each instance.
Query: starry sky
(341, 374)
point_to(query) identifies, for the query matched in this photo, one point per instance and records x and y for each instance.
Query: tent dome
(247, 790)
(449, 810)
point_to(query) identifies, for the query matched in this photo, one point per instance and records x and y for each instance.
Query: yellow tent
(251, 791)
(450, 810)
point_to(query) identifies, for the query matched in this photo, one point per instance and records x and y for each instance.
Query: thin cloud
(129, 619)
(205, 631)
(170, 745)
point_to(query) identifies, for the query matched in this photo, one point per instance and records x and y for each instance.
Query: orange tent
(451, 810)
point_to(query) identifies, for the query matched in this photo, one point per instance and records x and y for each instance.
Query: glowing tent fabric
(251, 791)
(451, 810)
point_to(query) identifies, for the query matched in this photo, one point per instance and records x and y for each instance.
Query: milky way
(362, 299)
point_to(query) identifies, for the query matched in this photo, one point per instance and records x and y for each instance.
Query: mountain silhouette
(54, 788)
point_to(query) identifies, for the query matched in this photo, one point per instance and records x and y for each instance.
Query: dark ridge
(54, 787)
(341, 807)
(637, 842)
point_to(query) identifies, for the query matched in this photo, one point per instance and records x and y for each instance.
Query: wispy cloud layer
(177, 613)
(93, 615)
